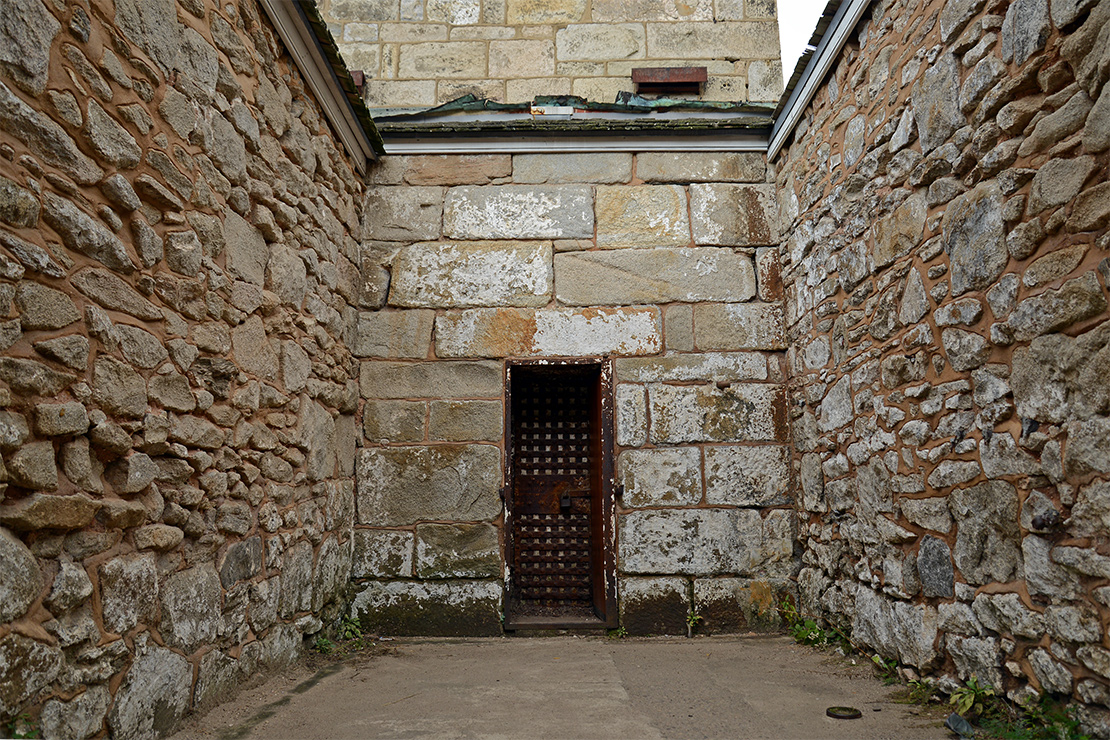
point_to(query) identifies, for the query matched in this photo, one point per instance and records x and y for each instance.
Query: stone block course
(462, 275)
(518, 212)
(642, 216)
(488, 332)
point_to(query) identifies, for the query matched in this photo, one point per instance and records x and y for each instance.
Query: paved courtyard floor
(573, 687)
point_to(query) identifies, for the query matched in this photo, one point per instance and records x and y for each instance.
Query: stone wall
(179, 268)
(420, 53)
(945, 206)
(657, 260)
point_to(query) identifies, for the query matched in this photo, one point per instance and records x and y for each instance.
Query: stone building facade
(421, 53)
(179, 262)
(945, 205)
(645, 262)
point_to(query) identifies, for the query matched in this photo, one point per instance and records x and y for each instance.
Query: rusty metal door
(559, 492)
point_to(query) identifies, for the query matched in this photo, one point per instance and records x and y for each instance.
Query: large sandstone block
(731, 215)
(732, 605)
(602, 168)
(506, 332)
(448, 608)
(632, 425)
(733, 326)
(704, 413)
(380, 553)
(747, 476)
(443, 60)
(642, 216)
(721, 40)
(403, 485)
(654, 606)
(403, 213)
(431, 380)
(466, 421)
(646, 276)
(455, 169)
(458, 551)
(701, 167)
(661, 477)
(603, 42)
(518, 212)
(393, 334)
(699, 542)
(450, 275)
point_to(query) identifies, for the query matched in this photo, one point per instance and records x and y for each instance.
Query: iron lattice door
(557, 466)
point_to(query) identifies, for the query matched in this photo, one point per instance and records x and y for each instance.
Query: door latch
(564, 502)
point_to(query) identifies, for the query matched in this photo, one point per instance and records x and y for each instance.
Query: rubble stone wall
(944, 205)
(179, 272)
(421, 53)
(660, 261)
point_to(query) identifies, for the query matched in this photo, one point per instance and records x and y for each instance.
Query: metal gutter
(640, 141)
(847, 15)
(300, 27)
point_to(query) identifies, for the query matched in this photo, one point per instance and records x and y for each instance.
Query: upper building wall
(421, 53)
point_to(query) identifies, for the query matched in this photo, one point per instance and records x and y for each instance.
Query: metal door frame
(603, 537)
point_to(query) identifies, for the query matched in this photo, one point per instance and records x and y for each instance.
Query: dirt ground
(572, 687)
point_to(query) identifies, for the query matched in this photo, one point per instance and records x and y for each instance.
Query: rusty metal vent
(669, 80)
(552, 469)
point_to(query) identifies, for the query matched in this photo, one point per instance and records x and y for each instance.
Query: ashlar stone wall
(179, 273)
(420, 53)
(945, 209)
(660, 261)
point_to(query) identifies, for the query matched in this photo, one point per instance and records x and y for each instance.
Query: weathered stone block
(44, 308)
(191, 604)
(491, 332)
(443, 60)
(394, 421)
(729, 215)
(601, 168)
(48, 140)
(61, 419)
(518, 212)
(457, 551)
(403, 485)
(662, 477)
(128, 592)
(383, 554)
(741, 413)
(450, 609)
(431, 380)
(20, 578)
(719, 40)
(654, 606)
(701, 167)
(154, 696)
(81, 717)
(715, 366)
(522, 58)
(466, 421)
(32, 466)
(987, 536)
(448, 275)
(600, 42)
(1076, 300)
(899, 233)
(631, 415)
(29, 667)
(690, 541)
(731, 605)
(455, 169)
(895, 629)
(936, 103)
(393, 334)
(642, 216)
(747, 476)
(647, 276)
(734, 326)
(403, 214)
(974, 238)
(45, 511)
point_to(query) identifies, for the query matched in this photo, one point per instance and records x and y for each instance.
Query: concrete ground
(574, 687)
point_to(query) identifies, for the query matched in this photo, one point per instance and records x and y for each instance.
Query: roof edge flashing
(847, 16)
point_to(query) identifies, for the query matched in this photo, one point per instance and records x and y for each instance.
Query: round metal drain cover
(843, 712)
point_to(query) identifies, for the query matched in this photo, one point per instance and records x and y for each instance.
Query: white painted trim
(845, 20)
(302, 45)
(518, 144)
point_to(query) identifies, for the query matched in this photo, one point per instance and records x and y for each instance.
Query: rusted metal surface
(669, 75)
(560, 490)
